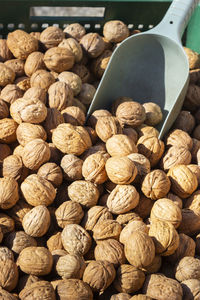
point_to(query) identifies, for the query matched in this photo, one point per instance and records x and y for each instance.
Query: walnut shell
(191, 288)
(5, 53)
(187, 268)
(71, 79)
(92, 120)
(72, 167)
(71, 139)
(76, 239)
(175, 156)
(17, 65)
(156, 185)
(72, 45)
(59, 59)
(131, 133)
(36, 93)
(19, 240)
(99, 64)
(147, 130)
(73, 115)
(23, 83)
(196, 170)
(38, 191)
(10, 93)
(131, 113)
(87, 93)
(177, 200)
(8, 129)
(42, 79)
(7, 224)
(183, 181)
(115, 31)
(108, 229)
(179, 138)
(53, 119)
(51, 36)
(34, 62)
(129, 279)
(75, 30)
(38, 289)
(8, 274)
(7, 296)
(93, 44)
(8, 192)
(190, 224)
(54, 242)
(120, 145)
(185, 121)
(70, 266)
(193, 202)
(6, 254)
(133, 225)
(35, 261)
(74, 289)
(94, 216)
(82, 71)
(27, 110)
(36, 222)
(13, 167)
(4, 112)
(18, 151)
(195, 133)
(7, 75)
(144, 207)
(60, 95)
(27, 132)
(51, 172)
(69, 212)
(153, 113)
(21, 44)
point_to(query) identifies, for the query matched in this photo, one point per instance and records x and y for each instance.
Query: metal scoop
(151, 67)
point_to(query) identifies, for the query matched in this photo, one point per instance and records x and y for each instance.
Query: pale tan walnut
(27, 132)
(71, 79)
(56, 255)
(71, 139)
(193, 57)
(94, 216)
(36, 93)
(18, 151)
(122, 199)
(191, 288)
(147, 130)
(53, 119)
(38, 191)
(21, 44)
(120, 145)
(4, 112)
(92, 120)
(10, 93)
(7, 224)
(179, 138)
(8, 274)
(187, 268)
(75, 30)
(142, 164)
(38, 289)
(93, 168)
(6, 253)
(69, 212)
(59, 59)
(99, 275)
(110, 250)
(175, 156)
(128, 279)
(35, 261)
(37, 221)
(75, 239)
(156, 185)
(131, 133)
(42, 79)
(9, 194)
(55, 242)
(5, 53)
(34, 62)
(51, 36)
(131, 113)
(23, 83)
(7, 75)
(72, 45)
(82, 71)
(27, 110)
(74, 289)
(121, 170)
(60, 95)
(133, 225)
(183, 181)
(93, 44)
(19, 240)
(190, 224)
(158, 286)
(72, 167)
(185, 121)
(51, 172)
(17, 65)
(153, 113)
(35, 153)
(99, 64)
(70, 266)
(115, 31)
(73, 115)
(87, 93)
(13, 167)
(107, 229)
(196, 170)
(151, 147)
(117, 102)
(177, 200)
(139, 249)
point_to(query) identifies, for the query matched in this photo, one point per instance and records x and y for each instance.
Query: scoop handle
(176, 19)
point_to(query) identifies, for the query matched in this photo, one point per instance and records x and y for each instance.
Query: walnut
(144, 207)
(93, 168)
(5, 53)
(23, 83)
(187, 268)
(17, 241)
(121, 170)
(92, 134)
(36, 93)
(55, 154)
(94, 216)
(74, 289)
(193, 58)
(92, 120)
(37, 190)
(70, 266)
(115, 31)
(99, 147)
(122, 199)
(71, 79)
(60, 95)
(55, 242)
(196, 170)
(93, 44)
(27, 110)
(133, 225)
(72, 45)
(78, 103)
(42, 79)
(108, 229)
(87, 93)
(7, 75)
(34, 62)
(35, 153)
(153, 113)
(51, 37)
(193, 202)
(52, 173)
(73, 115)
(110, 250)
(151, 147)
(117, 102)
(21, 44)
(183, 181)
(75, 30)
(175, 156)
(4, 112)
(8, 192)
(17, 65)
(8, 274)
(71, 139)
(190, 224)
(129, 279)
(18, 211)
(99, 64)
(161, 287)
(27, 132)
(59, 59)
(120, 145)
(177, 200)
(18, 151)
(69, 212)
(140, 297)
(191, 288)
(76, 239)
(13, 167)
(156, 185)
(82, 71)
(6, 254)
(53, 119)
(7, 224)
(139, 249)
(131, 133)
(147, 130)
(179, 138)
(155, 266)
(142, 164)
(38, 289)
(131, 113)
(185, 121)
(10, 93)
(72, 167)
(35, 261)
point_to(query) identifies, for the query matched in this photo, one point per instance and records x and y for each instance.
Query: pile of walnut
(105, 211)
